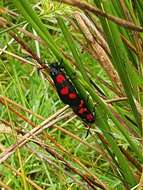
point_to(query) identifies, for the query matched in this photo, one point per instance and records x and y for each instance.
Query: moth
(69, 95)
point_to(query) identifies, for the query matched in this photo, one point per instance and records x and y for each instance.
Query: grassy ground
(43, 145)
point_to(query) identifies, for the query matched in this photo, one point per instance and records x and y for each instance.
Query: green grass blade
(124, 166)
(72, 47)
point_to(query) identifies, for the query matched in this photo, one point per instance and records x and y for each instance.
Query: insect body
(82, 111)
(69, 95)
(65, 88)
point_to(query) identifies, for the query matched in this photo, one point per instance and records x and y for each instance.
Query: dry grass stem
(87, 7)
(98, 52)
(35, 131)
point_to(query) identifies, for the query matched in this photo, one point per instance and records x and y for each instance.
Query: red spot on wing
(90, 117)
(60, 78)
(82, 110)
(64, 90)
(72, 95)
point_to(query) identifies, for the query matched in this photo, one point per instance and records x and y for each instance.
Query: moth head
(54, 69)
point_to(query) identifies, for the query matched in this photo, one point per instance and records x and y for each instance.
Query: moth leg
(88, 131)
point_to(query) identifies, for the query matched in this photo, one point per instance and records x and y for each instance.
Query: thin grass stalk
(55, 165)
(3, 185)
(91, 182)
(76, 160)
(72, 46)
(16, 172)
(23, 174)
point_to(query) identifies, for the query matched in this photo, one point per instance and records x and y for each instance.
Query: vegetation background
(43, 145)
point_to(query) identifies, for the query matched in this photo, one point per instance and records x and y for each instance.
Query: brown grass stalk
(98, 52)
(87, 7)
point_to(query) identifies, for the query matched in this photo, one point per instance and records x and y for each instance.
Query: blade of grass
(73, 47)
(123, 164)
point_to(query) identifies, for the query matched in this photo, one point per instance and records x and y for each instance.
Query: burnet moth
(69, 95)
